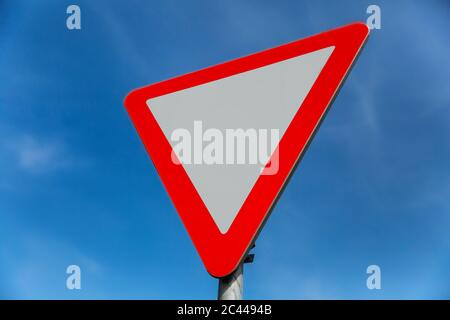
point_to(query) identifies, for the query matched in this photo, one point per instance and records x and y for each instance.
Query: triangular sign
(225, 139)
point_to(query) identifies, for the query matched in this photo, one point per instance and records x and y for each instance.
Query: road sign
(222, 195)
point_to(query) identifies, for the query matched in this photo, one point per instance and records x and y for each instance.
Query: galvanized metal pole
(231, 287)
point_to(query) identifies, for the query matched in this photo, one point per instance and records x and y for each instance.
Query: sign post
(225, 139)
(231, 287)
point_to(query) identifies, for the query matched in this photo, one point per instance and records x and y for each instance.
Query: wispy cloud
(38, 156)
(33, 154)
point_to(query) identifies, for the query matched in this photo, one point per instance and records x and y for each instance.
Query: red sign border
(222, 253)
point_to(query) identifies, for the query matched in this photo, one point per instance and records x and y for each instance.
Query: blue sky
(76, 186)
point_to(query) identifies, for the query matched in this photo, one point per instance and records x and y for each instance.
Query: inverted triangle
(263, 98)
(223, 210)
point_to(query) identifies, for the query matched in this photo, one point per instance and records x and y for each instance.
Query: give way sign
(222, 190)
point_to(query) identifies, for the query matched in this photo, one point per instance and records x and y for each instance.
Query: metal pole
(231, 287)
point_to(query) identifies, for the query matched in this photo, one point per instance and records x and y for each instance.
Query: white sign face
(205, 120)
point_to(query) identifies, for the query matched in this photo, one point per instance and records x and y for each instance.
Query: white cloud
(33, 154)
(36, 155)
